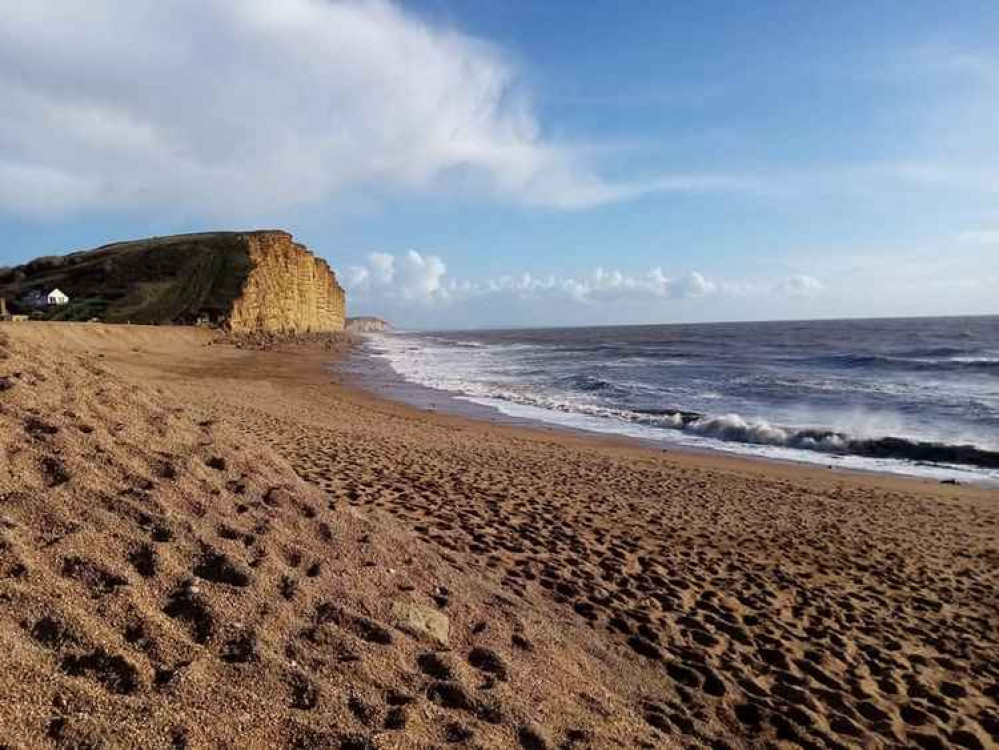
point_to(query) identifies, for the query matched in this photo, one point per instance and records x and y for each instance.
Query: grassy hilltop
(159, 280)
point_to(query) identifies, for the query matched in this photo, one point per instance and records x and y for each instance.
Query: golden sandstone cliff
(250, 282)
(288, 289)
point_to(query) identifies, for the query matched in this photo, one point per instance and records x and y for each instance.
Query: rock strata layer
(288, 289)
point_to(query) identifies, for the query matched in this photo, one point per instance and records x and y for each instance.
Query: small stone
(421, 622)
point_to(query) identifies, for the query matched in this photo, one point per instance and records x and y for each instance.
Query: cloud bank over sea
(412, 284)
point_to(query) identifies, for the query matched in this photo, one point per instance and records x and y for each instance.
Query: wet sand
(202, 546)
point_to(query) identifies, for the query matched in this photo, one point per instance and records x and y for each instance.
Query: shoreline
(390, 386)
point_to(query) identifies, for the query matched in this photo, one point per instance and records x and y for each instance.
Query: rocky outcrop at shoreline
(367, 324)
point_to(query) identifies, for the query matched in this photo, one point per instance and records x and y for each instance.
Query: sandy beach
(204, 546)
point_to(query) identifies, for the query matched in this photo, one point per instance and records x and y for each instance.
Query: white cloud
(951, 62)
(952, 144)
(382, 267)
(980, 236)
(952, 175)
(234, 107)
(801, 286)
(419, 277)
(36, 191)
(413, 277)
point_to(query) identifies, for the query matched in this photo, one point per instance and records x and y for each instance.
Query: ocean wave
(953, 363)
(933, 351)
(735, 428)
(975, 360)
(587, 384)
(603, 397)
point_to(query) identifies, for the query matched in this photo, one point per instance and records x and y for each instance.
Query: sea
(914, 396)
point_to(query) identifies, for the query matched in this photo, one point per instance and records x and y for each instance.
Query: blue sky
(515, 162)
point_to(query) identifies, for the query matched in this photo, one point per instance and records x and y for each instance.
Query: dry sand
(206, 547)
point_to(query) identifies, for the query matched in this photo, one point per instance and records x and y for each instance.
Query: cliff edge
(257, 281)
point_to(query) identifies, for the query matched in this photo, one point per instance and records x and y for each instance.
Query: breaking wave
(854, 391)
(732, 427)
(953, 362)
(737, 429)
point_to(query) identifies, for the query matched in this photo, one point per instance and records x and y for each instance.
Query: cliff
(288, 289)
(246, 281)
(367, 324)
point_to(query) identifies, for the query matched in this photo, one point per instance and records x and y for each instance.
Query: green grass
(78, 309)
(205, 285)
(162, 280)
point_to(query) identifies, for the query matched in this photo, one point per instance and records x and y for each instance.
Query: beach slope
(205, 546)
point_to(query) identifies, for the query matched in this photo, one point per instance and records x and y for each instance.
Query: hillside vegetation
(160, 280)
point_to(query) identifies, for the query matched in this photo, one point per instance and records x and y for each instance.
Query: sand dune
(206, 547)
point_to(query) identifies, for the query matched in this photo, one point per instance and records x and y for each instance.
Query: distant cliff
(366, 324)
(246, 281)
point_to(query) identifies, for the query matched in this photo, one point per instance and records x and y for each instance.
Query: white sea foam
(685, 439)
(489, 376)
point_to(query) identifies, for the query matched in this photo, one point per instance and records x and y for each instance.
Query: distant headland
(367, 324)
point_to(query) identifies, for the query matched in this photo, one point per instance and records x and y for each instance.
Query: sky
(514, 162)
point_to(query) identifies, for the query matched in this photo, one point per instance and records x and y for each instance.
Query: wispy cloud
(979, 236)
(235, 107)
(946, 175)
(945, 59)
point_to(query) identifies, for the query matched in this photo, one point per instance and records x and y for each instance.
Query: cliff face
(248, 281)
(288, 289)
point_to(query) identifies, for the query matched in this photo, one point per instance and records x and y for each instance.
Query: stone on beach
(422, 622)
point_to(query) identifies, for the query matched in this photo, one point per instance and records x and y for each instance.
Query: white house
(56, 297)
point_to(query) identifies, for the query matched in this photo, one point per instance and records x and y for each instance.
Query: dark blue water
(912, 395)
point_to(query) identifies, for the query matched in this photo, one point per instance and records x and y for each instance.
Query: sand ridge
(599, 595)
